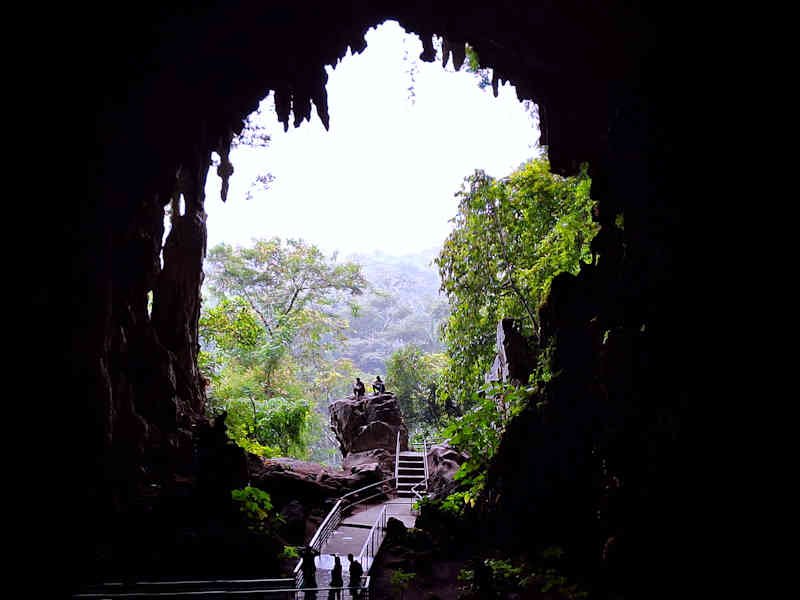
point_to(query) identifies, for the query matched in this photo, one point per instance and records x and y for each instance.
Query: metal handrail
(366, 487)
(332, 521)
(425, 459)
(368, 549)
(365, 583)
(414, 488)
(288, 593)
(321, 534)
(397, 457)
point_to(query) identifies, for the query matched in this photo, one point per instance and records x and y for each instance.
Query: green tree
(265, 333)
(291, 287)
(400, 580)
(478, 433)
(413, 376)
(511, 236)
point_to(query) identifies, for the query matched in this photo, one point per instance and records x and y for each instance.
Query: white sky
(385, 175)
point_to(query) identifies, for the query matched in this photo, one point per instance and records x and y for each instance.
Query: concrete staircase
(411, 471)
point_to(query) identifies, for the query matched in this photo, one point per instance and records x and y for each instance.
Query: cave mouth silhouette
(262, 127)
(407, 138)
(167, 87)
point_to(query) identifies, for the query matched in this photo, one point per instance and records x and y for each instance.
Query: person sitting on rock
(359, 389)
(378, 386)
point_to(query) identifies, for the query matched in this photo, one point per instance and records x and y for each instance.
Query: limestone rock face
(303, 491)
(367, 429)
(289, 480)
(443, 462)
(377, 459)
(515, 359)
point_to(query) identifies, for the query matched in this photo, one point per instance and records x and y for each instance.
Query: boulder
(377, 459)
(443, 462)
(369, 423)
(310, 484)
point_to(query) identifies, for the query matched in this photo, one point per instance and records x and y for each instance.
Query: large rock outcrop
(289, 479)
(366, 429)
(304, 491)
(443, 462)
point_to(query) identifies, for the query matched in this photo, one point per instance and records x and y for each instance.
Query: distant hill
(401, 306)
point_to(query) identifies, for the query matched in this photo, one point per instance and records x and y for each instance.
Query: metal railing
(425, 459)
(182, 588)
(334, 518)
(377, 532)
(308, 593)
(373, 542)
(415, 490)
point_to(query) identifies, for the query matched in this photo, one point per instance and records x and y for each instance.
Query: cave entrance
(377, 188)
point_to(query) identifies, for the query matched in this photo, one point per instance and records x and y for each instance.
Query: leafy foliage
(506, 576)
(478, 433)
(400, 580)
(511, 237)
(265, 333)
(414, 378)
(256, 506)
(275, 427)
(473, 65)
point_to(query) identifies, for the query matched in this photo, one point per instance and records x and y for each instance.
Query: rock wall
(443, 462)
(515, 358)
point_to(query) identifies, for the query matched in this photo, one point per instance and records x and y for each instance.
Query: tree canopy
(265, 334)
(511, 236)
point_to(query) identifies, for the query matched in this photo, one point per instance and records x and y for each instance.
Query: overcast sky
(385, 175)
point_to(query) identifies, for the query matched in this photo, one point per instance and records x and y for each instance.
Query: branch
(291, 302)
(511, 285)
(258, 312)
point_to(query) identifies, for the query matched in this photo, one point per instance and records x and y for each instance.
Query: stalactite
(445, 51)
(320, 98)
(360, 44)
(301, 106)
(495, 80)
(428, 51)
(225, 167)
(283, 106)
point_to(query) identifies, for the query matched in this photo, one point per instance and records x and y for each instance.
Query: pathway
(361, 533)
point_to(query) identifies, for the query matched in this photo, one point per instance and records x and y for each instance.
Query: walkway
(361, 532)
(350, 536)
